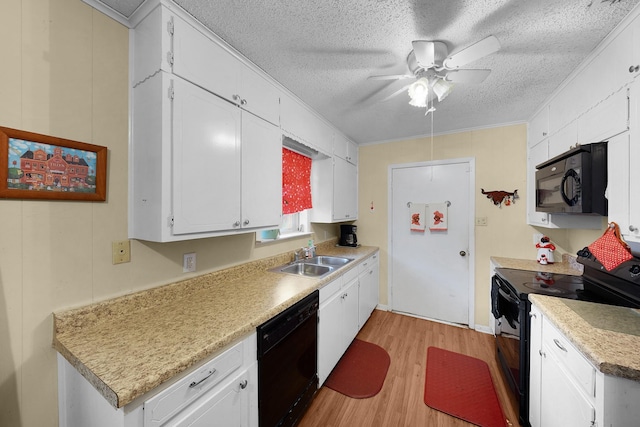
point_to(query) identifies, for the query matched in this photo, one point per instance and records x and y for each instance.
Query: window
(296, 196)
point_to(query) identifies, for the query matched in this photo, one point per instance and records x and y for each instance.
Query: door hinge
(170, 221)
(170, 26)
(170, 58)
(170, 92)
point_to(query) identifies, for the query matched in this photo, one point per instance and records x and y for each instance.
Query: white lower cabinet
(221, 392)
(200, 166)
(368, 292)
(345, 305)
(567, 390)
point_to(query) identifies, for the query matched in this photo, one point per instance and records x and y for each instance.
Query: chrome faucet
(299, 254)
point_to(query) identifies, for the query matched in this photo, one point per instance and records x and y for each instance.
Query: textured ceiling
(325, 50)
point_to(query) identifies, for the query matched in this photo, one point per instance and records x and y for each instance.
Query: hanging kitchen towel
(417, 211)
(438, 216)
(610, 249)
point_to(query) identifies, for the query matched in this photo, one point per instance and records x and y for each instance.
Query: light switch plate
(120, 251)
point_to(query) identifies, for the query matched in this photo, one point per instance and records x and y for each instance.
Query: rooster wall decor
(498, 197)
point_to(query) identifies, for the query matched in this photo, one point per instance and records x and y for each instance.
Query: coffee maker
(348, 235)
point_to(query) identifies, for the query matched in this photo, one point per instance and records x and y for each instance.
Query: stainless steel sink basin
(306, 269)
(328, 260)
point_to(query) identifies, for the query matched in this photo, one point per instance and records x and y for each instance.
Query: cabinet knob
(543, 219)
(246, 222)
(542, 353)
(243, 384)
(243, 101)
(633, 229)
(634, 68)
(544, 134)
(236, 224)
(463, 253)
(533, 315)
(237, 98)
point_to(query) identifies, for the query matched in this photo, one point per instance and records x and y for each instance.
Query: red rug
(461, 386)
(361, 371)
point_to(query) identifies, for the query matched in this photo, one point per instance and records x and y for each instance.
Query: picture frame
(36, 166)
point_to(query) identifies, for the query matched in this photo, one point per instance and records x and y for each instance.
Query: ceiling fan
(436, 71)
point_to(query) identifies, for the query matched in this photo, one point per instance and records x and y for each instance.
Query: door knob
(463, 253)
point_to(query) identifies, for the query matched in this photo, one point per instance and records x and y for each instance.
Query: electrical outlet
(481, 220)
(121, 251)
(189, 263)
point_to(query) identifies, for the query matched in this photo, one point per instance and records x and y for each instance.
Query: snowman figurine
(545, 251)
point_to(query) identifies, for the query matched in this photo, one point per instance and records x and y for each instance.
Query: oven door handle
(508, 295)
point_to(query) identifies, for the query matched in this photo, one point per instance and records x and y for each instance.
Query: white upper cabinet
(304, 125)
(195, 161)
(165, 41)
(538, 128)
(345, 191)
(345, 149)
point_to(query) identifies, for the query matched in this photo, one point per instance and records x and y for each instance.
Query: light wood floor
(400, 402)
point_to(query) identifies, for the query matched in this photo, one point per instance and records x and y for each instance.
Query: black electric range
(510, 306)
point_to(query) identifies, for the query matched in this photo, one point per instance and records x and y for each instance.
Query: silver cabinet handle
(236, 224)
(246, 222)
(195, 383)
(560, 346)
(542, 353)
(634, 68)
(533, 315)
(243, 101)
(544, 134)
(633, 229)
(243, 384)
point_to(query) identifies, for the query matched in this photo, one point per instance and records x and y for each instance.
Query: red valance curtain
(296, 182)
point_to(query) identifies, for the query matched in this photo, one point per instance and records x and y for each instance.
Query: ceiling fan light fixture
(441, 88)
(418, 92)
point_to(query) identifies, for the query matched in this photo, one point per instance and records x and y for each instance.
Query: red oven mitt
(610, 249)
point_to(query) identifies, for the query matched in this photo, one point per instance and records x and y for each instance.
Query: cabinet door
(535, 367)
(607, 119)
(345, 190)
(538, 127)
(350, 312)
(261, 173)
(226, 407)
(632, 230)
(206, 161)
(618, 181)
(563, 140)
(537, 155)
(330, 345)
(259, 96)
(352, 153)
(562, 403)
(368, 290)
(200, 60)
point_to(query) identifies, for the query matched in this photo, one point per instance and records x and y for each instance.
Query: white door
(429, 270)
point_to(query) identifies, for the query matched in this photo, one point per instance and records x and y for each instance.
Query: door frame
(471, 161)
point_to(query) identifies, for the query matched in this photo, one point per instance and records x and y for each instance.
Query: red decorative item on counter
(610, 249)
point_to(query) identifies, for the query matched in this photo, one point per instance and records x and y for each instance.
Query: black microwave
(574, 182)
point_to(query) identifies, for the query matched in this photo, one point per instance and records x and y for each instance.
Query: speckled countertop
(608, 336)
(129, 345)
(567, 266)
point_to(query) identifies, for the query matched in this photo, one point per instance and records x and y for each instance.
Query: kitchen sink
(328, 260)
(306, 269)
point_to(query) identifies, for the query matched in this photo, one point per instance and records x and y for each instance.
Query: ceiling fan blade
(392, 77)
(472, 53)
(425, 53)
(396, 93)
(467, 76)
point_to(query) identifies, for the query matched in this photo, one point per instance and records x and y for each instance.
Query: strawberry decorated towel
(418, 220)
(438, 216)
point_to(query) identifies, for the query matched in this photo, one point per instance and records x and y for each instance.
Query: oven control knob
(634, 270)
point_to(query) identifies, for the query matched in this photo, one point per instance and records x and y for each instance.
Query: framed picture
(34, 166)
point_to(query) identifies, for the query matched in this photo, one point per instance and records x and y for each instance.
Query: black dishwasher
(287, 363)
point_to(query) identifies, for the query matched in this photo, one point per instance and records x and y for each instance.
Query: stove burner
(547, 288)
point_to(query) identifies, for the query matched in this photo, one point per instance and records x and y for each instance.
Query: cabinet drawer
(350, 275)
(163, 406)
(329, 289)
(367, 264)
(582, 372)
